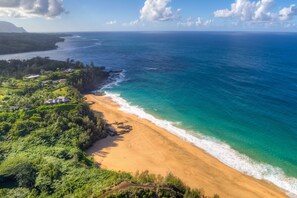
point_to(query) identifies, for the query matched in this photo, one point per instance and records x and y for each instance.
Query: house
(32, 77)
(59, 81)
(14, 108)
(63, 99)
(58, 100)
(50, 101)
(62, 80)
(69, 70)
(45, 82)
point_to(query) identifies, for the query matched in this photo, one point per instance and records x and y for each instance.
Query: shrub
(171, 180)
(19, 168)
(195, 193)
(145, 177)
(23, 128)
(4, 128)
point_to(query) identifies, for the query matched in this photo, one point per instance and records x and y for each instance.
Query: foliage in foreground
(150, 185)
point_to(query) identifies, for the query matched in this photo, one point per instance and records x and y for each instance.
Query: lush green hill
(11, 43)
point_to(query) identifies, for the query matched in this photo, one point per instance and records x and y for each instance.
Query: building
(63, 99)
(62, 80)
(59, 81)
(45, 82)
(32, 77)
(14, 108)
(69, 70)
(58, 100)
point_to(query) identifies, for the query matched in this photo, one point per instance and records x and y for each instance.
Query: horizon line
(164, 31)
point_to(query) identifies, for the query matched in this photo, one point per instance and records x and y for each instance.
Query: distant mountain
(9, 27)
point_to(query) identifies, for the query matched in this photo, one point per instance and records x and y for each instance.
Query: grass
(1, 97)
(61, 92)
(5, 92)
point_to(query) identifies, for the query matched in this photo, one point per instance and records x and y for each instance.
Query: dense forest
(42, 146)
(11, 43)
(87, 77)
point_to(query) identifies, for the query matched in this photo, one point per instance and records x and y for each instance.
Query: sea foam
(216, 148)
(115, 80)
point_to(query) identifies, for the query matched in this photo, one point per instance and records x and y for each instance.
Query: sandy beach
(148, 147)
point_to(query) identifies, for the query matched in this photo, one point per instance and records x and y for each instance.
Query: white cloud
(288, 13)
(111, 22)
(256, 11)
(199, 22)
(134, 22)
(247, 10)
(31, 8)
(157, 10)
(131, 23)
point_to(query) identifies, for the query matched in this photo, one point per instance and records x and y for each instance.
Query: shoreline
(149, 147)
(53, 45)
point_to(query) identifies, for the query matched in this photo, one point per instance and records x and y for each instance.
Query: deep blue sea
(233, 94)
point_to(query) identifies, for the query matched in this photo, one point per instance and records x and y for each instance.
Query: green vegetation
(150, 185)
(83, 78)
(42, 146)
(28, 42)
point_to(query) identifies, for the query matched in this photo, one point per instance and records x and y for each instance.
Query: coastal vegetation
(11, 43)
(42, 146)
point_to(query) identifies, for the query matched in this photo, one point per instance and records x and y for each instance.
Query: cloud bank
(199, 22)
(257, 11)
(31, 8)
(111, 22)
(157, 10)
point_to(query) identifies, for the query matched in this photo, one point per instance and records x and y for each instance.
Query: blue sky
(155, 15)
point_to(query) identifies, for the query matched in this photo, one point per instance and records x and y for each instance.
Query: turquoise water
(239, 89)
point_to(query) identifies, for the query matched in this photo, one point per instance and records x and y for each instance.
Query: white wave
(218, 149)
(73, 36)
(151, 68)
(115, 81)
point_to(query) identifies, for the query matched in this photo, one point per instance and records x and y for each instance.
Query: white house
(32, 77)
(69, 70)
(58, 100)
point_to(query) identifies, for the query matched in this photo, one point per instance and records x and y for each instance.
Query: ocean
(232, 94)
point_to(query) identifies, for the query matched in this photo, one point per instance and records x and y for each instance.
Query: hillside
(45, 128)
(11, 43)
(7, 27)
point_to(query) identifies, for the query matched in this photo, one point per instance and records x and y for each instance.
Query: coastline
(52, 42)
(149, 147)
(234, 160)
